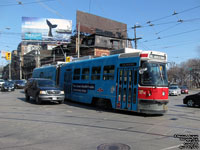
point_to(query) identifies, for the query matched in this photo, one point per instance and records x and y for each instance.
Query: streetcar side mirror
(142, 70)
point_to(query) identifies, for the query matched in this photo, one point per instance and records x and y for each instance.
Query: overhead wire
(24, 3)
(144, 46)
(167, 36)
(180, 33)
(178, 42)
(166, 29)
(175, 13)
(49, 9)
(171, 22)
(176, 45)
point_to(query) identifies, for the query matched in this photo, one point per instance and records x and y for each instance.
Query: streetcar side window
(76, 74)
(85, 73)
(108, 72)
(96, 73)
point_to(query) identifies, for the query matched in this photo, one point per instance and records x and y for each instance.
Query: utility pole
(20, 65)
(37, 52)
(20, 68)
(135, 37)
(78, 46)
(10, 70)
(54, 55)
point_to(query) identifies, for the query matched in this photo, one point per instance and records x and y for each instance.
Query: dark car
(192, 100)
(184, 90)
(43, 90)
(8, 86)
(20, 84)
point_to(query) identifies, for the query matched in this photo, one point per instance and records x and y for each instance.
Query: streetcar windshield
(153, 74)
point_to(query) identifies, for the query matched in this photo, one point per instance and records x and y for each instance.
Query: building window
(115, 44)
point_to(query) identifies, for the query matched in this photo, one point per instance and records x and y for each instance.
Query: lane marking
(172, 147)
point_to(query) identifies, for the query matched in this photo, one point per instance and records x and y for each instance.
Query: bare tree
(187, 73)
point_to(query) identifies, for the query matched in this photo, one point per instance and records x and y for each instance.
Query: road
(72, 126)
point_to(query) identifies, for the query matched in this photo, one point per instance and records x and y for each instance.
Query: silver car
(1, 82)
(174, 90)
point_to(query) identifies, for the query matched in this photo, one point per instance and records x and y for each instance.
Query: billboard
(3, 54)
(46, 29)
(93, 24)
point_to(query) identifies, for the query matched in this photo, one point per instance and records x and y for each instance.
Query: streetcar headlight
(43, 92)
(163, 93)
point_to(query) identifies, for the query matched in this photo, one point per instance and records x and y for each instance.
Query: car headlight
(43, 92)
(62, 92)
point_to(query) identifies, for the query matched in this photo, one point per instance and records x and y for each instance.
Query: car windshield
(46, 83)
(8, 83)
(1, 80)
(184, 88)
(154, 74)
(173, 87)
(20, 82)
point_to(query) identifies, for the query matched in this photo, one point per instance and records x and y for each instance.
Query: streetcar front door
(127, 89)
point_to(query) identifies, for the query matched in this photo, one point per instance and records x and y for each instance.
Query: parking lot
(73, 126)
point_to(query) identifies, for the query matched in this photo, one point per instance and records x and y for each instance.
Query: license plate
(54, 98)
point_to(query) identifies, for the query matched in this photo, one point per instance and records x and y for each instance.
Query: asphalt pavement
(73, 126)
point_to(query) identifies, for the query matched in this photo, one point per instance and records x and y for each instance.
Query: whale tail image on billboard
(50, 27)
(46, 29)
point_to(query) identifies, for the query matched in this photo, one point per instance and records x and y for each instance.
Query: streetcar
(135, 81)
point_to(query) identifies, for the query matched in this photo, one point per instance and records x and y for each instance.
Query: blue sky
(180, 40)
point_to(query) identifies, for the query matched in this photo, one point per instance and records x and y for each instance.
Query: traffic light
(8, 56)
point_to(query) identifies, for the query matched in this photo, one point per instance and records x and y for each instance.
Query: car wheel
(37, 100)
(27, 97)
(190, 103)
